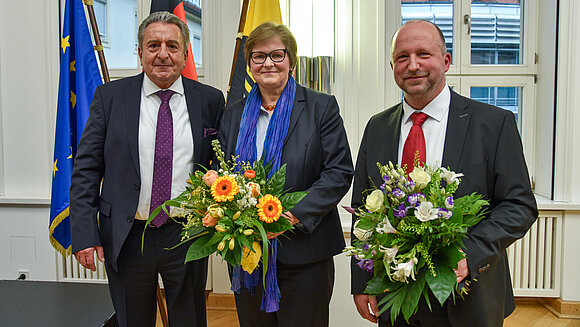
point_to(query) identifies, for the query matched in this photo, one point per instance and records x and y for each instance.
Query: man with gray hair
(144, 136)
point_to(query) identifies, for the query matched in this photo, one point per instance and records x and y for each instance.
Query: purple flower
(444, 213)
(401, 211)
(411, 184)
(413, 199)
(387, 179)
(398, 193)
(449, 202)
(366, 265)
(366, 247)
(349, 209)
(382, 187)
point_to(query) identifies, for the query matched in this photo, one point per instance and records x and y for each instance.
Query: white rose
(375, 200)
(420, 177)
(361, 234)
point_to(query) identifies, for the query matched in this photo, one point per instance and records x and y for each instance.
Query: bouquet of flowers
(409, 235)
(232, 211)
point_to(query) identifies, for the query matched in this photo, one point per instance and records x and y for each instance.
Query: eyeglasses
(259, 57)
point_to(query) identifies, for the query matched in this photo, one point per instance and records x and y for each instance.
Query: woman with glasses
(286, 123)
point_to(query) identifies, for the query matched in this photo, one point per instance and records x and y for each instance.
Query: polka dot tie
(163, 161)
(414, 150)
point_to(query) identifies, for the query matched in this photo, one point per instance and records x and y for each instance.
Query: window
(100, 8)
(118, 21)
(118, 42)
(193, 9)
(312, 23)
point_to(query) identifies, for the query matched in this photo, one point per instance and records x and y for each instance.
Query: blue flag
(79, 77)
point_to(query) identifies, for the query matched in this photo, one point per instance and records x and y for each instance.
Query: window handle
(467, 21)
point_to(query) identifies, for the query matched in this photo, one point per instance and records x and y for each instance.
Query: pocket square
(209, 132)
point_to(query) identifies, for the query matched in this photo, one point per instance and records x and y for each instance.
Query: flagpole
(98, 44)
(239, 37)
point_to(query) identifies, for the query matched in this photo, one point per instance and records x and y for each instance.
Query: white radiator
(535, 260)
(70, 270)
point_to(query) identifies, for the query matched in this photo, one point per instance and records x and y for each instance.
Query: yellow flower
(269, 208)
(251, 259)
(224, 189)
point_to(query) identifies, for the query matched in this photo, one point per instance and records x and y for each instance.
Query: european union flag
(79, 77)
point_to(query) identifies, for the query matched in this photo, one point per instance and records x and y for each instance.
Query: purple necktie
(163, 162)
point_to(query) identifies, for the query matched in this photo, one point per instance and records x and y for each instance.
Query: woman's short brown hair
(267, 31)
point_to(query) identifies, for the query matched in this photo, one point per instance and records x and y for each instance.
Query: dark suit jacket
(108, 151)
(482, 142)
(318, 160)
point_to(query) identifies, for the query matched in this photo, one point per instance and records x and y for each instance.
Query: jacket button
(129, 219)
(137, 187)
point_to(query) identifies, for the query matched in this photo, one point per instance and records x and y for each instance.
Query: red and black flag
(259, 11)
(176, 7)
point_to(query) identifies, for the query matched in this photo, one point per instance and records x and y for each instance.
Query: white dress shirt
(182, 141)
(434, 128)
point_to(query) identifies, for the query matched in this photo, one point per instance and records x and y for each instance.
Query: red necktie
(163, 161)
(415, 143)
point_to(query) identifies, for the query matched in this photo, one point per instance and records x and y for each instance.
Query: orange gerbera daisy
(269, 208)
(224, 189)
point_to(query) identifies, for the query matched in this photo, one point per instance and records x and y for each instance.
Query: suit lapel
(390, 135)
(299, 104)
(193, 100)
(457, 125)
(132, 110)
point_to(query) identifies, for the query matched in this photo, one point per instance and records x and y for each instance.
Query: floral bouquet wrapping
(410, 234)
(232, 211)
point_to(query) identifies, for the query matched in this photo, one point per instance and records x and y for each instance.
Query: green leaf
(290, 200)
(386, 301)
(237, 251)
(450, 256)
(187, 240)
(442, 285)
(376, 286)
(264, 250)
(200, 248)
(398, 301)
(275, 185)
(216, 238)
(246, 242)
(366, 223)
(415, 289)
(279, 226)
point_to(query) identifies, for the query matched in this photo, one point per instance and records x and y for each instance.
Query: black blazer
(318, 159)
(108, 151)
(482, 142)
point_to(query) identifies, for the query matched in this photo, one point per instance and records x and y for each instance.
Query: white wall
(29, 46)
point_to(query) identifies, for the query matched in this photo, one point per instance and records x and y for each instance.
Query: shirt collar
(150, 88)
(436, 109)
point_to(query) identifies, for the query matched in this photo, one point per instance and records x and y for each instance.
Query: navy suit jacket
(318, 160)
(482, 142)
(109, 151)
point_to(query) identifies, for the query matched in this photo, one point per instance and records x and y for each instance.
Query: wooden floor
(529, 313)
